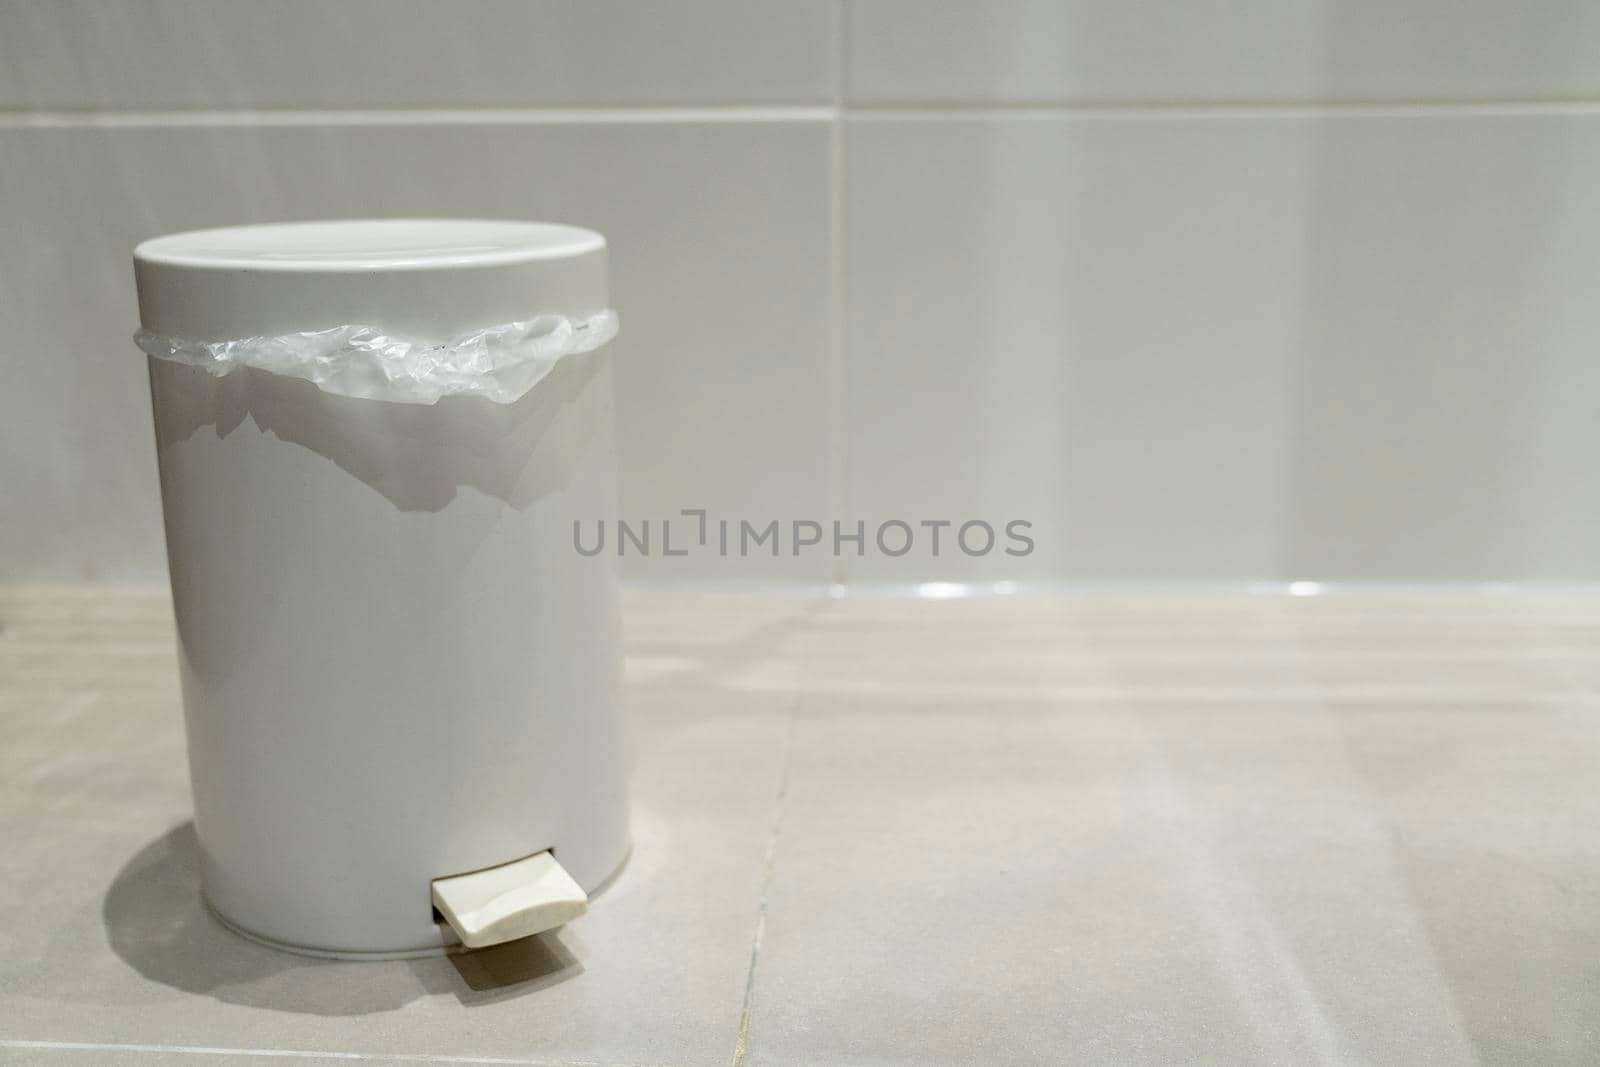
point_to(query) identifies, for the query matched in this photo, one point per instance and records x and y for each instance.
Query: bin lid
(431, 279)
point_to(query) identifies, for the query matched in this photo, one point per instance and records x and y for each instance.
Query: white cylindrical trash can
(401, 680)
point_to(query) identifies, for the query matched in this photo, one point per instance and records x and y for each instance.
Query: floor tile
(987, 878)
(86, 1054)
(1132, 827)
(119, 950)
(1216, 648)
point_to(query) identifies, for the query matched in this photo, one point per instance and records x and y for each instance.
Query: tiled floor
(1135, 827)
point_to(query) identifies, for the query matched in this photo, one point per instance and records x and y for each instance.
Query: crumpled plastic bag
(500, 363)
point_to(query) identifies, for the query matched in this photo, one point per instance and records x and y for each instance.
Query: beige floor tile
(1134, 828)
(1121, 861)
(117, 949)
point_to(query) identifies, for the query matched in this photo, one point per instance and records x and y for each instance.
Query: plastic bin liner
(500, 363)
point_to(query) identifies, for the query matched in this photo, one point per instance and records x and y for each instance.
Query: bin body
(396, 666)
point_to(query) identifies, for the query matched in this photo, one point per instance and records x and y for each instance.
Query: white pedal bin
(401, 680)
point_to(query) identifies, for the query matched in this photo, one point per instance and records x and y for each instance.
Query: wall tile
(1105, 50)
(371, 53)
(720, 267)
(1231, 347)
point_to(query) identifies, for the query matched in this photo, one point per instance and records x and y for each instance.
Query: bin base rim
(451, 948)
(422, 952)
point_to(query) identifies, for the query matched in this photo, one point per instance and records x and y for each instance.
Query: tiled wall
(1265, 289)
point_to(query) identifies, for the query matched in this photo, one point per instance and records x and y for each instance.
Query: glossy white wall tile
(721, 366)
(1243, 345)
(209, 54)
(1202, 291)
(1048, 51)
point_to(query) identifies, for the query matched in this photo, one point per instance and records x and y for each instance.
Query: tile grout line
(464, 116)
(835, 111)
(1216, 108)
(741, 1044)
(299, 1054)
(838, 365)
